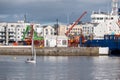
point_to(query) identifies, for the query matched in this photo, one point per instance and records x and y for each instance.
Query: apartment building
(87, 29)
(76, 30)
(13, 32)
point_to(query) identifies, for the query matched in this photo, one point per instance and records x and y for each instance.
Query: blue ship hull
(111, 41)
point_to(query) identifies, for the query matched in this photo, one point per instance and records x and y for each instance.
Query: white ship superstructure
(108, 23)
(106, 28)
(98, 17)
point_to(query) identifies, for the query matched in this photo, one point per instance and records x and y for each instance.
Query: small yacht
(30, 60)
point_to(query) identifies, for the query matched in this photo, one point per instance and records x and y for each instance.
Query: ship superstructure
(108, 23)
(98, 17)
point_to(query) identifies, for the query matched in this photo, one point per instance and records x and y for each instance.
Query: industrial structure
(28, 34)
(74, 39)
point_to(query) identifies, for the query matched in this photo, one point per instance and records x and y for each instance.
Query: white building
(13, 32)
(48, 30)
(87, 29)
(55, 41)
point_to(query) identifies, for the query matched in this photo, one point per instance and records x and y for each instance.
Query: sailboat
(33, 57)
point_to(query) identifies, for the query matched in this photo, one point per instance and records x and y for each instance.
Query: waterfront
(60, 68)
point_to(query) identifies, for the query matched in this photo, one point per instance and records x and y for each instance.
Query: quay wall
(56, 51)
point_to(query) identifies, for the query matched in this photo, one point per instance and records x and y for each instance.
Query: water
(60, 68)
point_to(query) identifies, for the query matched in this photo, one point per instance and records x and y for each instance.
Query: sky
(48, 11)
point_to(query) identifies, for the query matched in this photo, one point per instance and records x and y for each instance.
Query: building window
(12, 25)
(97, 18)
(67, 28)
(46, 30)
(101, 18)
(51, 33)
(37, 26)
(23, 30)
(18, 25)
(46, 33)
(47, 43)
(51, 30)
(64, 42)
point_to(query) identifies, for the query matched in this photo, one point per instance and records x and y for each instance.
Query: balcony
(2, 39)
(2, 31)
(10, 32)
(11, 39)
(2, 35)
(11, 35)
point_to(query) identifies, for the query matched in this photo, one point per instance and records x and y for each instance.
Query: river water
(60, 68)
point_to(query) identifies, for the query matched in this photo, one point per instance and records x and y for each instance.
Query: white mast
(32, 44)
(114, 7)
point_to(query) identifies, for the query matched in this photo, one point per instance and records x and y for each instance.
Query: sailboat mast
(32, 35)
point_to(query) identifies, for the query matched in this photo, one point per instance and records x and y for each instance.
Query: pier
(50, 51)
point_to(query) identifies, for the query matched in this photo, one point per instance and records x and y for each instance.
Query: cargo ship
(106, 30)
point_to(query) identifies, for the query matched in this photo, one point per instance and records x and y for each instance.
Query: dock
(50, 51)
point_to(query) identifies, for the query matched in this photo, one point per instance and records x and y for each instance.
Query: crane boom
(76, 22)
(26, 31)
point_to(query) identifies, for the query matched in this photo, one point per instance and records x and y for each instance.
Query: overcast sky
(47, 11)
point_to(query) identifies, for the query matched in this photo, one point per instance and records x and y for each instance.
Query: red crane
(76, 22)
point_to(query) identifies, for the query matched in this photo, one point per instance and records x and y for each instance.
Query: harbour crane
(74, 41)
(38, 40)
(76, 22)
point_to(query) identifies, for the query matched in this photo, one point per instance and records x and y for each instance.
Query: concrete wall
(82, 51)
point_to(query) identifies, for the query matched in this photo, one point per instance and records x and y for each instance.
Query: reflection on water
(60, 68)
